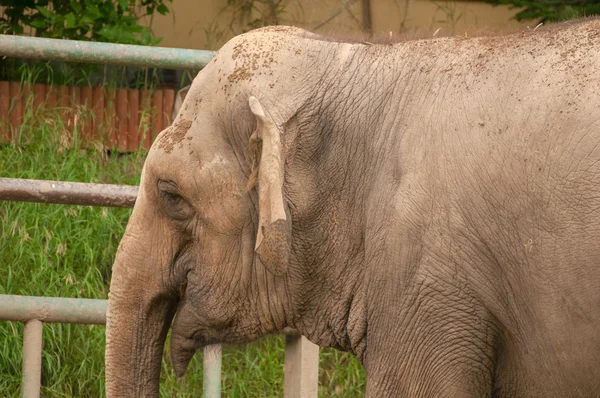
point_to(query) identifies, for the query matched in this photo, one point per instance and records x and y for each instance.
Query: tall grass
(67, 251)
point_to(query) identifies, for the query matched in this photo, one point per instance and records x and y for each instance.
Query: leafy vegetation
(96, 20)
(67, 251)
(551, 10)
(116, 21)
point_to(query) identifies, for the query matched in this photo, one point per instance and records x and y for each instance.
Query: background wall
(207, 24)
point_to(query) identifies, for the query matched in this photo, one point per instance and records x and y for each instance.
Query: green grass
(67, 251)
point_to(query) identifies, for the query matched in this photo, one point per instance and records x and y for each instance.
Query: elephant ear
(274, 237)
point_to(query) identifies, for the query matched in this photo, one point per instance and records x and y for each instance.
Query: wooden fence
(120, 119)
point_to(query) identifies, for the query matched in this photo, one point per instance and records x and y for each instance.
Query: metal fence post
(301, 369)
(211, 387)
(32, 358)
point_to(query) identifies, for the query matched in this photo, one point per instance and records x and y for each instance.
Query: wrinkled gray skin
(431, 206)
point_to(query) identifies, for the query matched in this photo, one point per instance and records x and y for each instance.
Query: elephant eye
(171, 199)
(174, 203)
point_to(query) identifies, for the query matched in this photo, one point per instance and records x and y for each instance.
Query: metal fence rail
(52, 309)
(102, 53)
(63, 192)
(301, 356)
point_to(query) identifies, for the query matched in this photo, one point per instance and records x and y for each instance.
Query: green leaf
(134, 28)
(145, 37)
(105, 33)
(58, 20)
(16, 29)
(39, 24)
(123, 4)
(162, 9)
(71, 22)
(86, 21)
(92, 11)
(45, 12)
(75, 5)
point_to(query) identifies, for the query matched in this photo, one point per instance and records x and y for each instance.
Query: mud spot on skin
(174, 135)
(240, 73)
(249, 59)
(281, 29)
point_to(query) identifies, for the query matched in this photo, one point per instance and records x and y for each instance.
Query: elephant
(431, 206)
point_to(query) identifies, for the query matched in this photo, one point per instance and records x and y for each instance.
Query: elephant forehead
(256, 57)
(249, 56)
(181, 156)
(173, 135)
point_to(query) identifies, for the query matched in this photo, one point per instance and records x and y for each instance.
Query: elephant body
(431, 206)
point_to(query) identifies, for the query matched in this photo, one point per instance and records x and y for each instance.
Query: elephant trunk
(137, 321)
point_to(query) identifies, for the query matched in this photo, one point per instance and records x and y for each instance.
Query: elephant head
(212, 248)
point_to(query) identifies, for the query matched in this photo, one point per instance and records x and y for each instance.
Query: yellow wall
(206, 24)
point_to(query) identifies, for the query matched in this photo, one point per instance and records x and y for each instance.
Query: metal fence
(301, 356)
(33, 312)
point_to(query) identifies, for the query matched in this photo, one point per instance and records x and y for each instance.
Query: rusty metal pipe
(102, 53)
(32, 358)
(52, 309)
(62, 192)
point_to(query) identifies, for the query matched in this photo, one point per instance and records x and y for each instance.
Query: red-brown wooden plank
(133, 139)
(110, 113)
(64, 105)
(75, 96)
(63, 96)
(51, 97)
(99, 102)
(75, 109)
(16, 110)
(157, 114)
(86, 115)
(122, 122)
(4, 112)
(26, 99)
(168, 103)
(39, 96)
(146, 112)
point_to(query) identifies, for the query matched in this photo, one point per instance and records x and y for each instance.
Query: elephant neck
(340, 179)
(333, 187)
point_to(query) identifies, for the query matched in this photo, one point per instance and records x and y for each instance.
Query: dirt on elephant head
(174, 135)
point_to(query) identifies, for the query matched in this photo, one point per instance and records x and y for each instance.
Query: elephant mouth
(183, 349)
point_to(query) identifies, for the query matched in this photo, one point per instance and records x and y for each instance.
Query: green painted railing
(102, 53)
